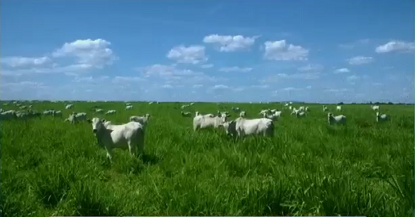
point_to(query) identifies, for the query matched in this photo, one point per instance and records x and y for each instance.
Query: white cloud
(220, 87)
(206, 66)
(308, 87)
(354, 44)
(333, 90)
(280, 50)
(89, 54)
(197, 85)
(359, 60)
(291, 89)
(282, 76)
(260, 86)
(125, 79)
(193, 54)
(235, 69)
(95, 53)
(167, 86)
(228, 43)
(353, 78)
(24, 61)
(311, 67)
(397, 46)
(341, 70)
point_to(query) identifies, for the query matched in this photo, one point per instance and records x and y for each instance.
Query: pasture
(51, 167)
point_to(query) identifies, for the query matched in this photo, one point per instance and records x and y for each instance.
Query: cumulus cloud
(235, 69)
(95, 53)
(228, 43)
(24, 61)
(280, 50)
(125, 79)
(352, 78)
(197, 85)
(360, 60)
(341, 70)
(89, 54)
(396, 46)
(167, 86)
(311, 67)
(220, 86)
(193, 54)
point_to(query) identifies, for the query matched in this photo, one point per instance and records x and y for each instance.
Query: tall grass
(49, 167)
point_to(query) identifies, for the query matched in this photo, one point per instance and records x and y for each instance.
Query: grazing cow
(338, 108)
(242, 114)
(141, 119)
(206, 121)
(110, 112)
(185, 106)
(244, 127)
(207, 115)
(382, 117)
(57, 114)
(375, 108)
(129, 135)
(186, 114)
(325, 108)
(76, 117)
(99, 110)
(128, 107)
(295, 111)
(49, 112)
(69, 106)
(8, 115)
(274, 116)
(236, 109)
(300, 114)
(339, 119)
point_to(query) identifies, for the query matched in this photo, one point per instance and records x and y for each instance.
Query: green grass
(49, 167)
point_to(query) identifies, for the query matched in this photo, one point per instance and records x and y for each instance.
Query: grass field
(309, 168)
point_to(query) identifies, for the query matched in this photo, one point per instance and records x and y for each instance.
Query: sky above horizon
(279, 50)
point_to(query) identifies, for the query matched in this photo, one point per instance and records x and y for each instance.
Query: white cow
(274, 116)
(382, 117)
(242, 127)
(206, 121)
(69, 106)
(338, 108)
(295, 111)
(186, 114)
(339, 119)
(8, 115)
(325, 108)
(242, 114)
(185, 106)
(129, 135)
(76, 117)
(207, 115)
(141, 119)
(57, 113)
(99, 110)
(110, 112)
(300, 114)
(128, 107)
(236, 109)
(375, 108)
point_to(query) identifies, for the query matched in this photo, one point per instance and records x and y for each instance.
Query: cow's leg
(109, 154)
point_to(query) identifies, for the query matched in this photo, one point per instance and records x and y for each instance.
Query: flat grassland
(49, 167)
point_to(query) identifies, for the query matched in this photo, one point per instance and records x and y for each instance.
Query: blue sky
(204, 50)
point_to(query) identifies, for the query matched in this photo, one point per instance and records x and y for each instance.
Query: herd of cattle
(131, 135)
